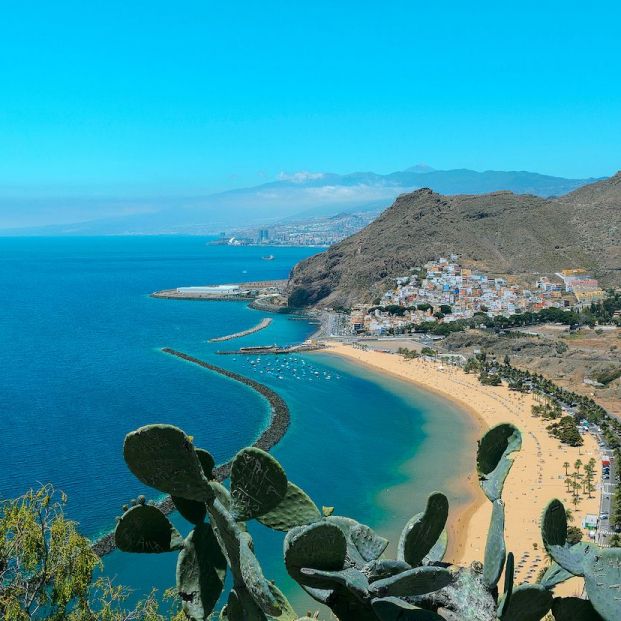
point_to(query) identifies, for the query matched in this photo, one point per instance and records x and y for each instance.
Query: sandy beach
(537, 475)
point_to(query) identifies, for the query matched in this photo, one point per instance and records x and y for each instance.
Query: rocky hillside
(595, 212)
(502, 233)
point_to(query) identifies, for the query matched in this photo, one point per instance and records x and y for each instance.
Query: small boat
(268, 257)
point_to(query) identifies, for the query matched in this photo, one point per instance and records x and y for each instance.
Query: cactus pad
(554, 524)
(253, 578)
(493, 463)
(495, 546)
(221, 493)
(201, 568)
(318, 546)
(206, 461)
(258, 483)
(395, 609)
(287, 613)
(602, 577)
(554, 575)
(385, 568)
(368, 543)
(162, 456)
(529, 602)
(574, 609)
(437, 552)
(351, 579)
(146, 529)
(295, 509)
(422, 532)
(192, 510)
(413, 582)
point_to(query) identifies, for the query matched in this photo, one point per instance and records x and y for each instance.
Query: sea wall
(276, 429)
(236, 335)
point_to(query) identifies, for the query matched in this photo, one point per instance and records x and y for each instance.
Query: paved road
(604, 527)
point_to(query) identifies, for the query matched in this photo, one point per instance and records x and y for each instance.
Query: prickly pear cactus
(337, 560)
(493, 462)
(601, 567)
(164, 457)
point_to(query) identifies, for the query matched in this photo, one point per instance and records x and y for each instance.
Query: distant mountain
(501, 233)
(298, 196)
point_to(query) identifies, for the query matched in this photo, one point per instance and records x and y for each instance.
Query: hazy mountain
(501, 232)
(298, 196)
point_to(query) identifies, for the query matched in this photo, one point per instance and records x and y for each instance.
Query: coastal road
(604, 527)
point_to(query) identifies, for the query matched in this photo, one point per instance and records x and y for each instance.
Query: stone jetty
(278, 425)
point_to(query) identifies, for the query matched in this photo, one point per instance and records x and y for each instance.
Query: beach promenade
(537, 475)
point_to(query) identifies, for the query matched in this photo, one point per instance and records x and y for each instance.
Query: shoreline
(536, 477)
(279, 421)
(462, 513)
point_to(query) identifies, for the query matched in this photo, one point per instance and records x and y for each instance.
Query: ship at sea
(268, 257)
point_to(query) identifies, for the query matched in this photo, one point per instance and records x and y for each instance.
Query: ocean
(80, 352)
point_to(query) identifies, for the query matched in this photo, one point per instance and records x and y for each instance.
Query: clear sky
(134, 96)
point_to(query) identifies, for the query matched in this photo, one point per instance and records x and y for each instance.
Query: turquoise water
(81, 367)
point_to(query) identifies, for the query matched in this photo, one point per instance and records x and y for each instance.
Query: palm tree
(566, 466)
(578, 464)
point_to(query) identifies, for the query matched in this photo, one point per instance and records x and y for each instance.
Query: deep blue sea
(80, 342)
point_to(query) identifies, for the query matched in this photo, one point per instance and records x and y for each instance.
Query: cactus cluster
(164, 457)
(337, 560)
(600, 567)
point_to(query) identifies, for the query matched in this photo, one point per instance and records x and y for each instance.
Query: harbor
(243, 291)
(261, 350)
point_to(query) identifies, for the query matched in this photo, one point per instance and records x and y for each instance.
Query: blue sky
(199, 96)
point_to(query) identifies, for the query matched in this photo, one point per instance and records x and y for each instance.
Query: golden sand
(537, 475)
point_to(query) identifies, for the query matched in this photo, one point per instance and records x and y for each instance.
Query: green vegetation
(607, 376)
(548, 409)
(47, 568)
(561, 347)
(428, 351)
(408, 354)
(335, 559)
(489, 379)
(566, 430)
(600, 313)
(554, 398)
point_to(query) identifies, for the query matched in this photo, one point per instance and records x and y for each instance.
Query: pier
(276, 429)
(263, 350)
(236, 335)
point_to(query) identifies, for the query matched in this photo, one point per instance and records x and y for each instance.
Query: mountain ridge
(520, 235)
(295, 197)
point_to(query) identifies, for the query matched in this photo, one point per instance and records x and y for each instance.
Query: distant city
(311, 232)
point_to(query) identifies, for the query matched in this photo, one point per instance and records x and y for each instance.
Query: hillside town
(445, 291)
